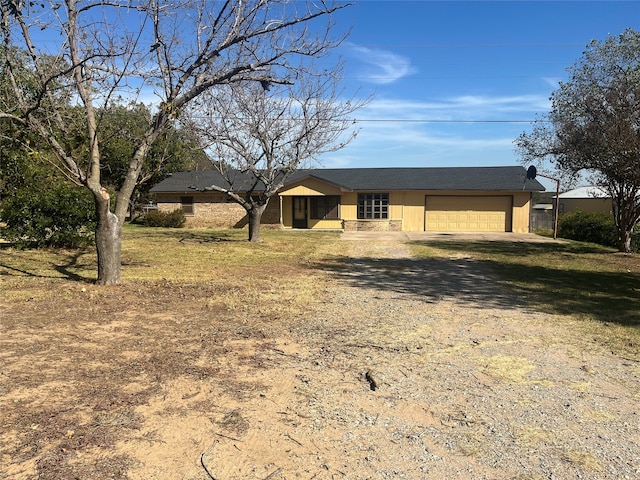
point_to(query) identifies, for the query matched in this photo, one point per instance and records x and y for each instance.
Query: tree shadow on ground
(68, 268)
(504, 283)
(191, 236)
(432, 279)
(66, 264)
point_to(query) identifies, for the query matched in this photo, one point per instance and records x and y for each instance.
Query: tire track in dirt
(470, 384)
(513, 391)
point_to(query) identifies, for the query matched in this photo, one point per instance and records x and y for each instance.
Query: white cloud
(515, 103)
(457, 130)
(385, 136)
(553, 82)
(338, 160)
(460, 108)
(381, 67)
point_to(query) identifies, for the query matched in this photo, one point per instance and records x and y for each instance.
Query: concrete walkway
(444, 236)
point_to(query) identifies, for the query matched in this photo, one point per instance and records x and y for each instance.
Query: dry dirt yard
(420, 372)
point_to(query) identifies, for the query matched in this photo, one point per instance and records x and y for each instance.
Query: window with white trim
(373, 206)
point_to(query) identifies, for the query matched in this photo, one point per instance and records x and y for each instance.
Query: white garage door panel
(468, 214)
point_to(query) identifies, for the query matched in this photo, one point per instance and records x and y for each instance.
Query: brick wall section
(271, 215)
(214, 211)
(372, 225)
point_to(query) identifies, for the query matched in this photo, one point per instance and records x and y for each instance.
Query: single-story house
(587, 199)
(490, 199)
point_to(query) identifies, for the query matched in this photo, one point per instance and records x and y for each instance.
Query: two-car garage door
(468, 214)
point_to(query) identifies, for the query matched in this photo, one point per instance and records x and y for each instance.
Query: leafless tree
(259, 134)
(96, 51)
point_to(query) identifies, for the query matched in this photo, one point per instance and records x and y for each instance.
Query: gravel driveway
(425, 369)
(470, 382)
(440, 236)
(406, 368)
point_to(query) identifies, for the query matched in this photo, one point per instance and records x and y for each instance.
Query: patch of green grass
(171, 254)
(194, 256)
(44, 272)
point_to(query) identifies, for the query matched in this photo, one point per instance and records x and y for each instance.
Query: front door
(299, 212)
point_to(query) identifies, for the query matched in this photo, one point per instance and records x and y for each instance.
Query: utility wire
(424, 120)
(413, 120)
(462, 45)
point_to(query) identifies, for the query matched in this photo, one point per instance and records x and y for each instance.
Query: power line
(466, 45)
(409, 120)
(436, 120)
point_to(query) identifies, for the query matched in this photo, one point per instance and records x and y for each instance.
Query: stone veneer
(214, 211)
(372, 225)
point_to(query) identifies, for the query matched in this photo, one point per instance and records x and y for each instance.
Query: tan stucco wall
(349, 206)
(310, 187)
(287, 211)
(326, 224)
(414, 211)
(407, 211)
(396, 207)
(591, 205)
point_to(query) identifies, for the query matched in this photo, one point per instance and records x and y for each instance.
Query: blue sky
(451, 78)
(456, 82)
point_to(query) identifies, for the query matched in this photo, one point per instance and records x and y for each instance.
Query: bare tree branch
(268, 132)
(97, 51)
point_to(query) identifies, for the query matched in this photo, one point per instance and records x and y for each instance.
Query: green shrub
(588, 227)
(156, 218)
(56, 216)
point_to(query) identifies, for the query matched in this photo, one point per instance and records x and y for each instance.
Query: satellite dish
(531, 172)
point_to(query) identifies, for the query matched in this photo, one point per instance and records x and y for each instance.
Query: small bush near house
(58, 216)
(591, 227)
(156, 218)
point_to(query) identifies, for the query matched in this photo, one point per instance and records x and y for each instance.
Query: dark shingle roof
(194, 181)
(508, 178)
(439, 178)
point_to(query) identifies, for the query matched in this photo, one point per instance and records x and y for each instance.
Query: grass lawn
(571, 278)
(152, 255)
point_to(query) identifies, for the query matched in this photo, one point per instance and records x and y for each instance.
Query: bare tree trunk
(624, 222)
(624, 240)
(256, 41)
(108, 237)
(255, 215)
